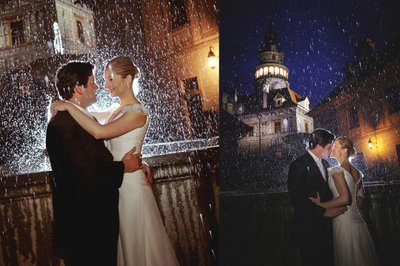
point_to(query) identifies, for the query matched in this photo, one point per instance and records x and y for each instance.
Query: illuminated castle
(277, 110)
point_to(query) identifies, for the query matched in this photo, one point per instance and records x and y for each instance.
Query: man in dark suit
(313, 224)
(86, 179)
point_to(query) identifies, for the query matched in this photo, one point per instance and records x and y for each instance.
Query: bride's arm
(344, 197)
(118, 127)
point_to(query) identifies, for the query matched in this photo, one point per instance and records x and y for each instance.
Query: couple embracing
(105, 212)
(329, 227)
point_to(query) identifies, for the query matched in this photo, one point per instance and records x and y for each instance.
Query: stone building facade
(181, 44)
(366, 108)
(37, 29)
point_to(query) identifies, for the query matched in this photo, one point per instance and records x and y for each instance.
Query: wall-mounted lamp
(212, 59)
(371, 143)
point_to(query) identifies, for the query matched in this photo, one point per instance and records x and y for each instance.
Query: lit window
(271, 70)
(286, 125)
(261, 71)
(276, 70)
(265, 70)
(281, 71)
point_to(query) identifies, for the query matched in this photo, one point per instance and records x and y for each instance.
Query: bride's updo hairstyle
(123, 66)
(347, 143)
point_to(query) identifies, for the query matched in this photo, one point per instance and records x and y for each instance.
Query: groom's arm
(78, 160)
(333, 212)
(299, 187)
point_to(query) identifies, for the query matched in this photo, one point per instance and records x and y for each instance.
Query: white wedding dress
(353, 245)
(143, 239)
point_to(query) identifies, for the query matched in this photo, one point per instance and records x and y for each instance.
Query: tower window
(264, 128)
(353, 117)
(398, 153)
(177, 11)
(393, 98)
(277, 126)
(251, 132)
(279, 100)
(80, 32)
(2, 64)
(17, 33)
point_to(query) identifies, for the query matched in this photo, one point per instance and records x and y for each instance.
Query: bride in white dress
(353, 244)
(143, 239)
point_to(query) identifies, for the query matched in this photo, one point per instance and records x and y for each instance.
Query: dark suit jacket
(305, 179)
(85, 192)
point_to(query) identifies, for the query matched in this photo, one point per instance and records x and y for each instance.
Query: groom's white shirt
(82, 109)
(318, 161)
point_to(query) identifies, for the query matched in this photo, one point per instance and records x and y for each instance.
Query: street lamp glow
(370, 143)
(212, 59)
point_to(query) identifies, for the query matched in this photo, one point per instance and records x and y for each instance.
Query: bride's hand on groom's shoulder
(58, 105)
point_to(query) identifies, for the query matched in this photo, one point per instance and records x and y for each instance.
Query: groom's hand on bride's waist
(149, 173)
(333, 212)
(132, 161)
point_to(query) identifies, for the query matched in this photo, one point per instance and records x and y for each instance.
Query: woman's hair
(347, 143)
(123, 66)
(71, 74)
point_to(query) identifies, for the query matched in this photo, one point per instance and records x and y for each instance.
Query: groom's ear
(78, 89)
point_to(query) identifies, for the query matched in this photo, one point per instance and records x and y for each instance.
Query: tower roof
(270, 55)
(270, 41)
(294, 96)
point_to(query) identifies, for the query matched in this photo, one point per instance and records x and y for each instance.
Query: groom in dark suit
(86, 179)
(313, 224)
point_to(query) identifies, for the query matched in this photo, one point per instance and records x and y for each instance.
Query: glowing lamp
(370, 143)
(212, 59)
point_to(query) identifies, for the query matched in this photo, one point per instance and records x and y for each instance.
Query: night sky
(317, 38)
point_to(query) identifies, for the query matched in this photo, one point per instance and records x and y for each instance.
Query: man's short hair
(71, 74)
(320, 136)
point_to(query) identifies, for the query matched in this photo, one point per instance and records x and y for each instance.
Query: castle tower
(270, 73)
(276, 110)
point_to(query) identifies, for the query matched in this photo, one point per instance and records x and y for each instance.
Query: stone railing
(185, 188)
(256, 228)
